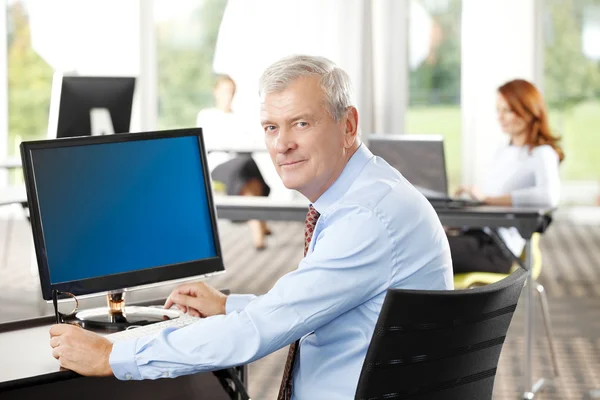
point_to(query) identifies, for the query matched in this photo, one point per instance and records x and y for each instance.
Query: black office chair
(439, 345)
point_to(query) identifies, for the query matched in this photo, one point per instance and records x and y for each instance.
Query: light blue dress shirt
(375, 232)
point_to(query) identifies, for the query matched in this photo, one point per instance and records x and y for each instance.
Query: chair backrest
(431, 345)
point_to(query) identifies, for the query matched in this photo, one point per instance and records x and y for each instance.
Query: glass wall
(70, 36)
(572, 83)
(434, 76)
(186, 34)
(29, 80)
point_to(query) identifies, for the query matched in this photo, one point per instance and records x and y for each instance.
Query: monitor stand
(116, 316)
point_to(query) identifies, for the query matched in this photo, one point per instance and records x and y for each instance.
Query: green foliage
(434, 94)
(185, 77)
(580, 140)
(29, 82)
(570, 77)
(437, 80)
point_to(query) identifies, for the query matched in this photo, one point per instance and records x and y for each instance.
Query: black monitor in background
(90, 105)
(419, 158)
(114, 213)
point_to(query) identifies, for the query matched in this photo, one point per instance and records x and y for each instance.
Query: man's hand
(197, 299)
(81, 351)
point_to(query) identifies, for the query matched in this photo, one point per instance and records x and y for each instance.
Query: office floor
(571, 277)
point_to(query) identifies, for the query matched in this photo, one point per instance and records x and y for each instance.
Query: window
(434, 76)
(29, 81)
(186, 34)
(63, 35)
(572, 83)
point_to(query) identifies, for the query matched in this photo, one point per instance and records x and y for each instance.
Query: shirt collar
(341, 185)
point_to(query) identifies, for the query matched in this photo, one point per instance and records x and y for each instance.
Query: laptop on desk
(422, 161)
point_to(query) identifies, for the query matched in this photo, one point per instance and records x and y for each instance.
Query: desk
(10, 163)
(262, 208)
(13, 195)
(28, 371)
(526, 219)
(242, 148)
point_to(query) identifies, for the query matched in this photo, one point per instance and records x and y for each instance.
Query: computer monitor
(113, 213)
(90, 105)
(419, 158)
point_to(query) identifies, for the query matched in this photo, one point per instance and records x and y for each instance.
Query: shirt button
(165, 374)
(128, 377)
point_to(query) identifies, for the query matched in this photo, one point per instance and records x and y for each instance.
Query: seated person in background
(235, 175)
(367, 230)
(523, 173)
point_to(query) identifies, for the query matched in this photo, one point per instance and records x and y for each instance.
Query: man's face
(306, 145)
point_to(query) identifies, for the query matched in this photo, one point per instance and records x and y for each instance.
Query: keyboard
(152, 329)
(455, 203)
(463, 203)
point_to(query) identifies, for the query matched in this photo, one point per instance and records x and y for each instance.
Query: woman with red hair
(523, 173)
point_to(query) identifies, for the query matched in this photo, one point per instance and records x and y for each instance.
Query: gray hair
(335, 82)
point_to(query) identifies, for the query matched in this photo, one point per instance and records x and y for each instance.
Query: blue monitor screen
(120, 207)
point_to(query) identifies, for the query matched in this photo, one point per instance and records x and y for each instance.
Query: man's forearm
(237, 302)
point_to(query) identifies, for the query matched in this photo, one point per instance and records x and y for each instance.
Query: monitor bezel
(128, 280)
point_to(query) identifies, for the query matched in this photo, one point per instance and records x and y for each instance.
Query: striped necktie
(285, 390)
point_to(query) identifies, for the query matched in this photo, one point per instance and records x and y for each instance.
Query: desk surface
(526, 219)
(239, 148)
(12, 195)
(28, 370)
(251, 202)
(10, 163)
(25, 319)
(25, 349)
(26, 353)
(25, 345)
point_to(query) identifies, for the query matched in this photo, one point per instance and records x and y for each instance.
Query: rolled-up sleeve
(351, 262)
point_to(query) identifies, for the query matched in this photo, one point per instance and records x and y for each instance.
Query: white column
(498, 44)
(147, 84)
(337, 29)
(3, 95)
(118, 53)
(353, 25)
(390, 65)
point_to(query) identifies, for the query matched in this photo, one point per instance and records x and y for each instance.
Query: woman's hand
(471, 191)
